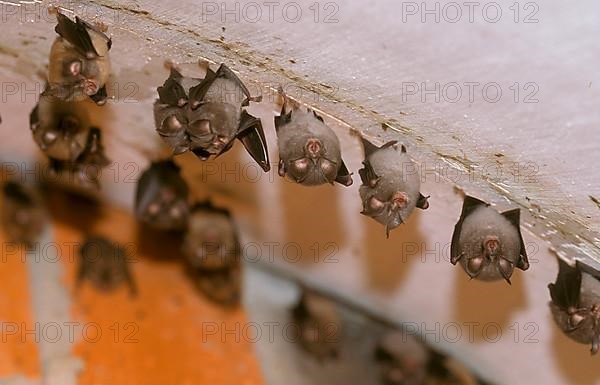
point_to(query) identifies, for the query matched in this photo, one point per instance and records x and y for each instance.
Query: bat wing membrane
(252, 136)
(514, 217)
(171, 92)
(565, 291)
(76, 33)
(469, 205)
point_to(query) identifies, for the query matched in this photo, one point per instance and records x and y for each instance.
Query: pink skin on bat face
(314, 161)
(491, 253)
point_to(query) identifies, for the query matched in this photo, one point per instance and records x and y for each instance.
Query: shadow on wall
(312, 221)
(232, 175)
(499, 301)
(386, 261)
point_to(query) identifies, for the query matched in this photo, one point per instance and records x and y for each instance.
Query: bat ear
(172, 92)
(469, 204)
(513, 217)
(368, 147)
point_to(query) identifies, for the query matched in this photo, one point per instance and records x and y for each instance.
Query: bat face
(402, 359)
(319, 324)
(211, 241)
(79, 65)
(206, 115)
(213, 127)
(60, 128)
(211, 247)
(162, 197)
(309, 151)
(172, 111)
(390, 185)
(488, 244)
(86, 168)
(221, 286)
(23, 216)
(104, 264)
(575, 305)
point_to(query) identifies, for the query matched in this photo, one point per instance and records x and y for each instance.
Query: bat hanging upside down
(205, 116)
(79, 65)
(309, 151)
(488, 244)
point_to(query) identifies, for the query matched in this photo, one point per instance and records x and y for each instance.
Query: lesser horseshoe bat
(205, 116)
(79, 62)
(64, 133)
(319, 324)
(575, 305)
(86, 168)
(59, 128)
(23, 216)
(211, 241)
(309, 150)
(161, 198)
(212, 249)
(104, 264)
(390, 184)
(402, 359)
(488, 244)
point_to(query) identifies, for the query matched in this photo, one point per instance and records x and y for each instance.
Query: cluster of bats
(206, 116)
(401, 358)
(78, 70)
